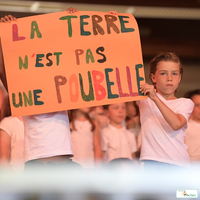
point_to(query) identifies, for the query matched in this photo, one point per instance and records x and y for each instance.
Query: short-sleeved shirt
(47, 135)
(118, 143)
(15, 129)
(193, 140)
(159, 141)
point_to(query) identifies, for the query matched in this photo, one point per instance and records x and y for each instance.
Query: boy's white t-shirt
(117, 143)
(47, 135)
(193, 140)
(159, 141)
(15, 129)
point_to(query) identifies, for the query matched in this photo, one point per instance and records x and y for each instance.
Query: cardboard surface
(62, 61)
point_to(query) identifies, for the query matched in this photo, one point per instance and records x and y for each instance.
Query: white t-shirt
(159, 141)
(15, 129)
(47, 135)
(83, 145)
(117, 143)
(193, 140)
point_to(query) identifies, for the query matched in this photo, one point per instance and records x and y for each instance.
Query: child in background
(12, 144)
(11, 128)
(11, 140)
(117, 141)
(133, 122)
(85, 138)
(133, 117)
(163, 116)
(193, 131)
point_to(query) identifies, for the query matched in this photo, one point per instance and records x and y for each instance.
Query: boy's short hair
(164, 56)
(190, 94)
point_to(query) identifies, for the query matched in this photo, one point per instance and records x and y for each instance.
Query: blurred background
(172, 25)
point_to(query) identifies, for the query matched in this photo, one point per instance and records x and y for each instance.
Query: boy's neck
(167, 96)
(116, 125)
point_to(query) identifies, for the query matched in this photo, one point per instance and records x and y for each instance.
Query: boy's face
(117, 113)
(167, 78)
(196, 110)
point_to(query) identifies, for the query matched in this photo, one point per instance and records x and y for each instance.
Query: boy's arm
(176, 121)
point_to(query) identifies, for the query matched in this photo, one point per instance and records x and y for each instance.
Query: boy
(163, 116)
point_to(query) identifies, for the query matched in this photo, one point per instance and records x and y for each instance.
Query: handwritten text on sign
(63, 61)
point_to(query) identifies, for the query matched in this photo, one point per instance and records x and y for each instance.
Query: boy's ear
(180, 78)
(153, 78)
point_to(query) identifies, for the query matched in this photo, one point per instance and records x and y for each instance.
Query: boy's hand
(113, 12)
(8, 18)
(149, 90)
(71, 10)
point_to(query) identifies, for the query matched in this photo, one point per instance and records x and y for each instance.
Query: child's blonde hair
(164, 56)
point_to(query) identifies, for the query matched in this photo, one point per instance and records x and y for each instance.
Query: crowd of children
(155, 127)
